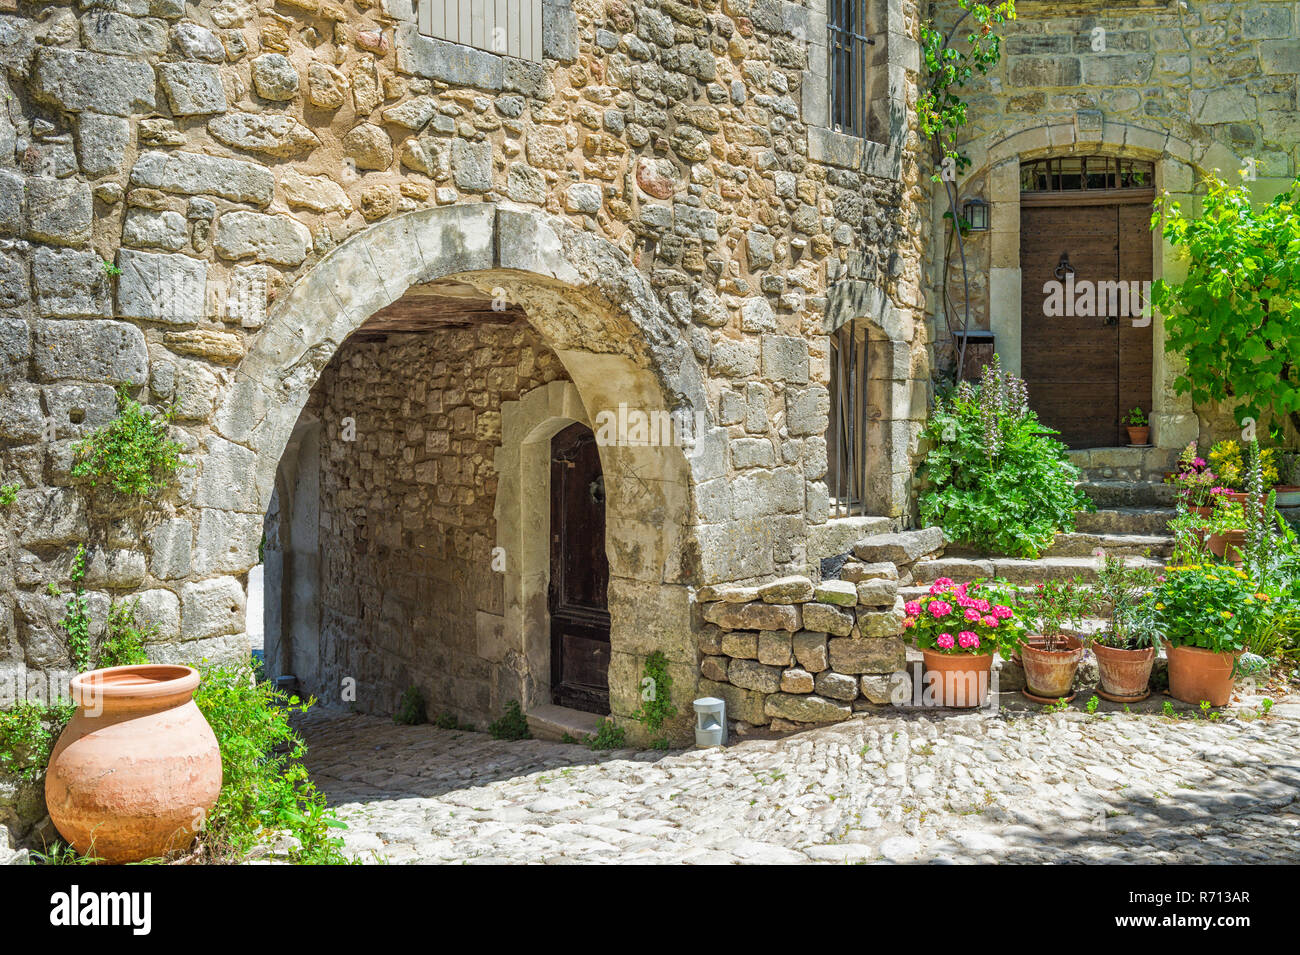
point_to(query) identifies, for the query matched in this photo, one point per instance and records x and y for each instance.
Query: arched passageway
(395, 420)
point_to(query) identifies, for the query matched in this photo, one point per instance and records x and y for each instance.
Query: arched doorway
(584, 304)
(1086, 262)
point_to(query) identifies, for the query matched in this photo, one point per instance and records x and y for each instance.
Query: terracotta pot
(137, 769)
(1204, 511)
(1228, 546)
(1288, 495)
(1050, 673)
(1196, 675)
(1124, 674)
(960, 679)
(1139, 434)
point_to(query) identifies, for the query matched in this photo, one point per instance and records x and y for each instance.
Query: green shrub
(411, 710)
(132, 453)
(265, 790)
(513, 725)
(994, 477)
(8, 493)
(124, 638)
(656, 701)
(28, 733)
(609, 736)
(76, 617)
(447, 721)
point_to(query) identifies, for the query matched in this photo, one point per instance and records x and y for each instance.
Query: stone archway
(597, 313)
(997, 164)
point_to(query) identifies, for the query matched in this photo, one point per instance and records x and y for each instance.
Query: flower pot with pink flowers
(958, 628)
(1051, 650)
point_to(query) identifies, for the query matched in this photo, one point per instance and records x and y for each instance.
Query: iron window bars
(850, 96)
(1082, 173)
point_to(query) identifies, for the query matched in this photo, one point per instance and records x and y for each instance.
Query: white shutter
(511, 27)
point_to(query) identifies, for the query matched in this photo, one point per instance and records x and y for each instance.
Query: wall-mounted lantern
(975, 213)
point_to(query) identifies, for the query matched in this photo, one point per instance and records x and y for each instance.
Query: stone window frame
(902, 55)
(462, 65)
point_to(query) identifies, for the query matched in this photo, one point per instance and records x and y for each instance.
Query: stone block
(792, 589)
(278, 239)
(101, 143)
(79, 80)
(774, 648)
(840, 593)
(59, 211)
(161, 288)
(802, 708)
(837, 686)
(740, 644)
(193, 89)
(796, 680)
(155, 229)
(753, 616)
(227, 542)
(901, 548)
(745, 705)
(828, 619)
(880, 592)
(752, 675)
(212, 608)
(810, 650)
(70, 283)
(867, 654)
(274, 134)
(96, 351)
(274, 77)
(160, 610)
(194, 174)
(171, 550)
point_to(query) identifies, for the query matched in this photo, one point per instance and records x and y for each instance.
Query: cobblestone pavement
(957, 788)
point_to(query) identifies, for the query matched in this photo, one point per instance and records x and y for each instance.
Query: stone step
(1115, 494)
(1125, 520)
(1017, 571)
(1125, 464)
(550, 722)
(1117, 545)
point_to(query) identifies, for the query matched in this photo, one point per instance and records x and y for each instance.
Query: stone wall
(409, 592)
(791, 653)
(1192, 86)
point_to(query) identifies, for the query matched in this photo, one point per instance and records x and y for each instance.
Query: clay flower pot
(1196, 675)
(1049, 674)
(1288, 495)
(1139, 434)
(959, 679)
(1228, 546)
(1124, 674)
(137, 770)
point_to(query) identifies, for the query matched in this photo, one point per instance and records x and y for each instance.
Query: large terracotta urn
(136, 771)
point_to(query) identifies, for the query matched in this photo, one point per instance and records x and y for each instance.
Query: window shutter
(509, 27)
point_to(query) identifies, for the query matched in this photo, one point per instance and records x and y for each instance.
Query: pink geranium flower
(944, 641)
(982, 605)
(908, 623)
(1003, 613)
(990, 621)
(913, 608)
(940, 608)
(968, 640)
(972, 614)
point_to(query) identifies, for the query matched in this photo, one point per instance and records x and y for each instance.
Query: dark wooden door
(579, 574)
(1084, 371)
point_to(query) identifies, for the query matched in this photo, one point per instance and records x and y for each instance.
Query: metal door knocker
(1064, 268)
(597, 490)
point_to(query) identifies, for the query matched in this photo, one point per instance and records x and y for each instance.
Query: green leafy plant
(76, 618)
(1137, 418)
(1235, 318)
(512, 725)
(132, 454)
(411, 709)
(1228, 459)
(1094, 701)
(1123, 593)
(656, 702)
(28, 732)
(8, 493)
(124, 637)
(447, 721)
(265, 790)
(1191, 533)
(609, 736)
(994, 477)
(1054, 607)
(1208, 606)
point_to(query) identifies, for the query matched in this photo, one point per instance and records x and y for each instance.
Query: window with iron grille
(508, 27)
(858, 80)
(846, 436)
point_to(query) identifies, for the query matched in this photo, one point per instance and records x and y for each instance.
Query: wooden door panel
(579, 574)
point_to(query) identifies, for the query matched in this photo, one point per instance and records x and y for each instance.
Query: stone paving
(1061, 787)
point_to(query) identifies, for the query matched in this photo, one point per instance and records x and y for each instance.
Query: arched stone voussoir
(374, 268)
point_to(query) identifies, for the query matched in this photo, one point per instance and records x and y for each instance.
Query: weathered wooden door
(1087, 367)
(579, 574)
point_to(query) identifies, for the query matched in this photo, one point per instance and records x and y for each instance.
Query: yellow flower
(1226, 613)
(1242, 574)
(1160, 606)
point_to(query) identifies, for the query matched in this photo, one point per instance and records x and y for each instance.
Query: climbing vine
(76, 619)
(656, 700)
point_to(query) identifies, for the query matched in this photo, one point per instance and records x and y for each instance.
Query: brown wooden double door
(579, 574)
(1084, 372)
